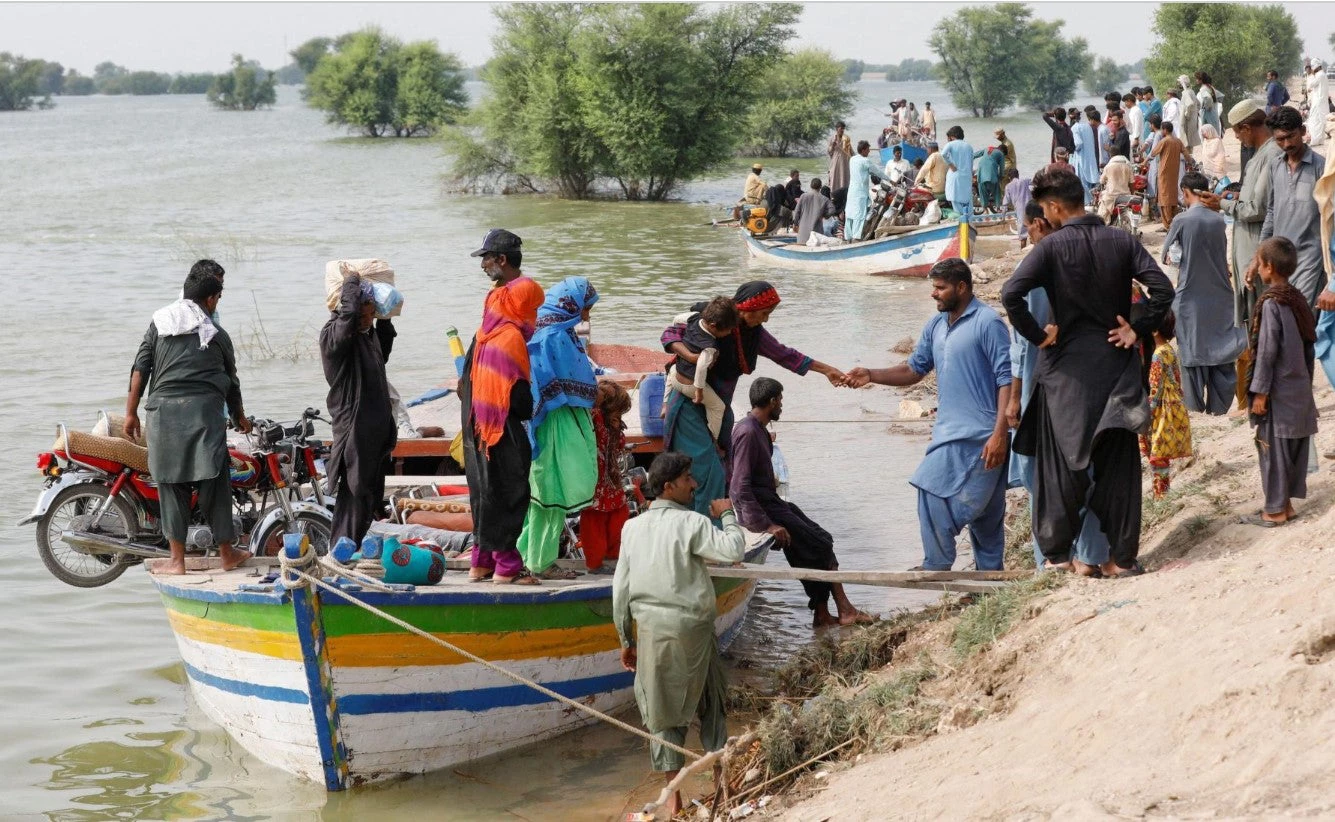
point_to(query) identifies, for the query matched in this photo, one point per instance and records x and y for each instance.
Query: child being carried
(689, 372)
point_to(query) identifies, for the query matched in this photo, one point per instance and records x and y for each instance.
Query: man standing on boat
(962, 480)
(760, 508)
(353, 356)
(959, 176)
(495, 399)
(662, 588)
(190, 368)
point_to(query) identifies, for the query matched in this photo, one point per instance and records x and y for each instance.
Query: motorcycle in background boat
(99, 512)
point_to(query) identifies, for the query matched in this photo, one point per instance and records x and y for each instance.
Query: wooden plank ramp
(963, 582)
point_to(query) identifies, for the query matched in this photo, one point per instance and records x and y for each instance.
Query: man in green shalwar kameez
(663, 605)
(192, 368)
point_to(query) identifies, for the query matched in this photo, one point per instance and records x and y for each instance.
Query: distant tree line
(907, 70)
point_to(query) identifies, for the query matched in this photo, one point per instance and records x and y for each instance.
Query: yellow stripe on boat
(399, 649)
(235, 637)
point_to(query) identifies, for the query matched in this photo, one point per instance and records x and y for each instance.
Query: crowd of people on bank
(1103, 363)
(1161, 138)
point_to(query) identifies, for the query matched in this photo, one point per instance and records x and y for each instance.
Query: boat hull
(329, 692)
(905, 255)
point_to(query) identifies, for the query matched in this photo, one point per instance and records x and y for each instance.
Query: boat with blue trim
(908, 253)
(309, 682)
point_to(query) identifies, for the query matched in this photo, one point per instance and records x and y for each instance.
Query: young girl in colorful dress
(600, 524)
(1169, 437)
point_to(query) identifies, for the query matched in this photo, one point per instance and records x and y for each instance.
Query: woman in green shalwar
(565, 450)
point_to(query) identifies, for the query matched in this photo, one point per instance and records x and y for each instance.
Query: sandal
(483, 578)
(524, 577)
(1134, 571)
(602, 570)
(1259, 521)
(555, 572)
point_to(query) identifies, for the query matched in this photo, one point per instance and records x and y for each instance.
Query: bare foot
(674, 804)
(232, 557)
(1066, 567)
(823, 618)
(1084, 569)
(856, 617)
(171, 567)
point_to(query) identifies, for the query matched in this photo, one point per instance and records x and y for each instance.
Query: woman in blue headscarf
(565, 456)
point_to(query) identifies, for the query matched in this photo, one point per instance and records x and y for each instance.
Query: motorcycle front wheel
(314, 526)
(70, 510)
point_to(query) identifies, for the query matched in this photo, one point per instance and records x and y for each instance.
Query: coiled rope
(295, 575)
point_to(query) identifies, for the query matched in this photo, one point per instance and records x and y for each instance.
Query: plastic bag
(931, 215)
(388, 300)
(780, 466)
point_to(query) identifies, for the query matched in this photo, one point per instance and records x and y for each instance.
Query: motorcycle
(99, 512)
(895, 201)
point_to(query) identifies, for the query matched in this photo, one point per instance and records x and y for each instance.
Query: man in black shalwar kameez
(1089, 401)
(353, 354)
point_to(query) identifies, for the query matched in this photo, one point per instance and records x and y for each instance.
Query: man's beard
(494, 273)
(775, 413)
(947, 306)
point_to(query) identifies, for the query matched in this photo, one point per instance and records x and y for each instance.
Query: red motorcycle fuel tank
(244, 468)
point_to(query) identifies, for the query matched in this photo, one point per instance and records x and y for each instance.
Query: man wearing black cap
(495, 398)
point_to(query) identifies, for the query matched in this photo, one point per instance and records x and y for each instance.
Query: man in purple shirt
(755, 497)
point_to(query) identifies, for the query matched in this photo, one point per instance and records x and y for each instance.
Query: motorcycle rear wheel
(318, 528)
(73, 567)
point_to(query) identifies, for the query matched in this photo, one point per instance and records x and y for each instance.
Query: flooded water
(107, 203)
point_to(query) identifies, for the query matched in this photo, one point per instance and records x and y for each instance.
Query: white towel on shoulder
(184, 317)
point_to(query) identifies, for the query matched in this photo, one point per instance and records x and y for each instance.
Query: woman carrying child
(689, 374)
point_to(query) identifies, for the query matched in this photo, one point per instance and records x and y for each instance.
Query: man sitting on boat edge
(754, 490)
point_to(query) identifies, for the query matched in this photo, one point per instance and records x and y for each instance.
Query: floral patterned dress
(1169, 437)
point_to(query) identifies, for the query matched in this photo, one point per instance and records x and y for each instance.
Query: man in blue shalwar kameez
(959, 177)
(962, 480)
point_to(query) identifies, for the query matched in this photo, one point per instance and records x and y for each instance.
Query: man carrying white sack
(354, 348)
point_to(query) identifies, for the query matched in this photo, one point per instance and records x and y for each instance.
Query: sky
(202, 36)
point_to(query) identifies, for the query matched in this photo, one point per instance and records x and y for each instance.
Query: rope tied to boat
(297, 569)
(292, 569)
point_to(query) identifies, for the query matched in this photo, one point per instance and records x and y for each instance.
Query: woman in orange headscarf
(496, 399)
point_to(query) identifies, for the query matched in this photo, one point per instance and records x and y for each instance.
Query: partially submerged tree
(1054, 66)
(377, 85)
(245, 88)
(1236, 44)
(1105, 76)
(797, 103)
(20, 83)
(644, 95)
(992, 57)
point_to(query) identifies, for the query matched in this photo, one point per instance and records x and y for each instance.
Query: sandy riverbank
(1198, 690)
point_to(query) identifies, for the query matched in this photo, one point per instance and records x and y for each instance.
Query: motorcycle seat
(114, 449)
(1122, 199)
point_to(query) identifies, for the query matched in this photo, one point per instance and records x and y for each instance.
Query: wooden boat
(910, 253)
(310, 683)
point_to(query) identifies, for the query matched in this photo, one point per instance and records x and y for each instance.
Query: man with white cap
(754, 191)
(1248, 206)
(1318, 98)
